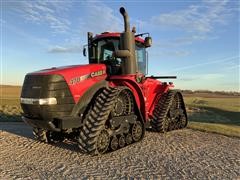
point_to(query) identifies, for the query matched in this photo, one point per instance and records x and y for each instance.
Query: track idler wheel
(137, 131)
(103, 141)
(114, 143)
(121, 141)
(129, 138)
(182, 121)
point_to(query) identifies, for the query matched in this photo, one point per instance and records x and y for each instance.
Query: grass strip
(227, 130)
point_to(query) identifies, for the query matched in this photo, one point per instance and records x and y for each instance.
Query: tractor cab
(102, 48)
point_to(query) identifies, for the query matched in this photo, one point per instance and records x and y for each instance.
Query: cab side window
(141, 58)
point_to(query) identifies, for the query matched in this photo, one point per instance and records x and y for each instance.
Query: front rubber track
(97, 119)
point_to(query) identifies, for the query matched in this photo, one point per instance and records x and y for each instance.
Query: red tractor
(106, 104)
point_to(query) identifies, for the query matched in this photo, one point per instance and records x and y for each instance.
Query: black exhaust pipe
(126, 19)
(127, 47)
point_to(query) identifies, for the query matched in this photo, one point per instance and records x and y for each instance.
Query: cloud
(209, 76)
(2, 21)
(231, 67)
(100, 18)
(175, 53)
(96, 17)
(61, 49)
(197, 22)
(51, 13)
(193, 66)
(195, 18)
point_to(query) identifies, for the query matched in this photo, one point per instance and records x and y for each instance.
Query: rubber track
(96, 120)
(40, 135)
(161, 110)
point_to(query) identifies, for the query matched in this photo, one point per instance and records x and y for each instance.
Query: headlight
(47, 101)
(42, 101)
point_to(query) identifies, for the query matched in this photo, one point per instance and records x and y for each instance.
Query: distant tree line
(230, 93)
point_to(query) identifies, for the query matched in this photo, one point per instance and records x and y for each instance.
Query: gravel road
(182, 154)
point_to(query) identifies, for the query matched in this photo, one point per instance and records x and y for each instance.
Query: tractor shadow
(67, 145)
(14, 125)
(213, 115)
(16, 128)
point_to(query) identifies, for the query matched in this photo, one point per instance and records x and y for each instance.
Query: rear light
(42, 101)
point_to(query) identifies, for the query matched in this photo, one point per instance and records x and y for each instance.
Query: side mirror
(148, 42)
(84, 51)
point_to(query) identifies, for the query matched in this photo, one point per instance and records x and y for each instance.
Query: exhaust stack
(126, 19)
(127, 47)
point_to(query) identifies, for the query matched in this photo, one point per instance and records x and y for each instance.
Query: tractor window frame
(95, 52)
(141, 57)
(97, 57)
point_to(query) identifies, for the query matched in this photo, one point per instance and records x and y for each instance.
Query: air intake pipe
(127, 47)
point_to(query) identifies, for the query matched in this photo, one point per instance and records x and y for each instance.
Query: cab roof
(114, 34)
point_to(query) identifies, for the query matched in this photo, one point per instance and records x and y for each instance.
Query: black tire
(162, 121)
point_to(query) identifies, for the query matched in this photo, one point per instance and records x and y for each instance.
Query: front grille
(46, 86)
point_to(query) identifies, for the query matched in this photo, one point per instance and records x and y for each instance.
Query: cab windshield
(101, 51)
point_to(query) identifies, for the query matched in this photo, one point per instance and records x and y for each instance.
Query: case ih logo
(76, 80)
(98, 73)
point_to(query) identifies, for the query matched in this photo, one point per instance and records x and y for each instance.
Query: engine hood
(76, 73)
(78, 77)
(73, 69)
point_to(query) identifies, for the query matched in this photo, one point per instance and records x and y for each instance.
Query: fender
(153, 99)
(83, 102)
(130, 82)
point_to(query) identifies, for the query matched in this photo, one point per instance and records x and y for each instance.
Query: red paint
(146, 93)
(70, 72)
(153, 90)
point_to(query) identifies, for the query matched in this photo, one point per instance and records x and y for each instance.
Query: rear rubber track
(161, 121)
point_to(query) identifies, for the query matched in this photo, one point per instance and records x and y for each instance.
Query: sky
(196, 40)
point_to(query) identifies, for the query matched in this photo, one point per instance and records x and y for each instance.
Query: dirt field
(182, 154)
